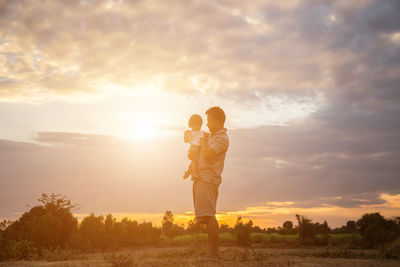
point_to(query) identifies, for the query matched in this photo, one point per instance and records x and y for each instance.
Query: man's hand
(204, 139)
(207, 152)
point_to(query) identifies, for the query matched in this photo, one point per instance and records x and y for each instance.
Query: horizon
(95, 97)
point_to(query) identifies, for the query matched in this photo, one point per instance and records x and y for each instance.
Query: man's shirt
(211, 170)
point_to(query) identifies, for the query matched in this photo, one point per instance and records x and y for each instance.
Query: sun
(142, 131)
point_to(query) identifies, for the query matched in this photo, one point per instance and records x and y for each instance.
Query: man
(210, 167)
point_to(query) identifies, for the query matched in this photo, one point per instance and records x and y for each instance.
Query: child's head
(195, 122)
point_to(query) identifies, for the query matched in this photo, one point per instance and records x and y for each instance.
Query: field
(229, 256)
(187, 250)
(268, 240)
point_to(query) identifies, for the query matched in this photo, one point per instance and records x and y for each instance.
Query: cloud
(99, 172)
(75, 139)
(230, 49)
(340, 58)
(311, 159)
(279, 167)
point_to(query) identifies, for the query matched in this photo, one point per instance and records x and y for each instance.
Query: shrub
(242, 232)
(92, 231)
(22, 250)
(376, 230)
(394, 249)
(306, 230)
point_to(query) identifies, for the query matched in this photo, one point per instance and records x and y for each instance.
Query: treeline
(52, 225)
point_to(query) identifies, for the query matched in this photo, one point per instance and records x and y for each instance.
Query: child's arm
(186, 136)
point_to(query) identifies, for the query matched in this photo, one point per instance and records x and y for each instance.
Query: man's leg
(205, 198)
(213, 235)
(212, 231)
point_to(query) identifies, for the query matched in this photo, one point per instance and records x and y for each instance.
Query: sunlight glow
(142, 131)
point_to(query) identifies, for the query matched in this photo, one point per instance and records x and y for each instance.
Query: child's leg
(188, 171)
(195, 164)
(195, 171)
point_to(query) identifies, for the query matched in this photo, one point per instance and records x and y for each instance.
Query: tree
(168, 227)
(377, 231)
(33, 225)
(242, 232)
(4, 224)
(46, 232)
(168, 223)
(288, 225)
(351, 226)
(194, 227)
(92, 230)
(306, 229)
(224, 228)
(287, 228)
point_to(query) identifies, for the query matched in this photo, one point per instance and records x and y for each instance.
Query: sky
(95, 97)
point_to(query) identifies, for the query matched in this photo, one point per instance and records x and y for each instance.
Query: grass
(190, 255)
(265, 240)
(185, 239)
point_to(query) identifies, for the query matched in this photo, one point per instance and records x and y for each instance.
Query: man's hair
(195, 119)
(217, 113)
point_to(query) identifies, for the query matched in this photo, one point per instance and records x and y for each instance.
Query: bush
(242, 232)
(92, 231)
(393, 249)
(46, 232)
(376, 231)
(22, 250)
(51, 224)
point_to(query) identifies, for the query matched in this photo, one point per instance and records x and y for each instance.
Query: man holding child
(207, 177)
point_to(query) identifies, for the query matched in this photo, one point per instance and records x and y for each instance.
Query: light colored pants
(205, 198)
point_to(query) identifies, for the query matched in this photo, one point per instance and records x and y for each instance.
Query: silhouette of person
(210, 166)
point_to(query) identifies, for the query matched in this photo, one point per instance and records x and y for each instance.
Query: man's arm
(219, 145)
(207, 152)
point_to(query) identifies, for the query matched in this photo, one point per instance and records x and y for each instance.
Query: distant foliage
(108, 234)
(288, 225)
(349, 228)
(378, 231)
(169, 228)
(242, 232)
(50, 231)
(196, 228)
(287, 228)
(92, 231)
(48, 225)
(308, 231)
(51, 224)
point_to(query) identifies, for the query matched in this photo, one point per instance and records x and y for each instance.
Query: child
(193, 138)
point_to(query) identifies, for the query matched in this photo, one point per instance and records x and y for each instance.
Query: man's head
(215, 119)
(195, 122)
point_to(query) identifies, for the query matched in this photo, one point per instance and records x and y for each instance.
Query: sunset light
(167, 116)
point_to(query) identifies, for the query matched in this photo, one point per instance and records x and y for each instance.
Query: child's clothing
(194, 141)
(195, 136)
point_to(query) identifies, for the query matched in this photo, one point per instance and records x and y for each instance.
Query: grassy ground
(229, 256)
(263, 239)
